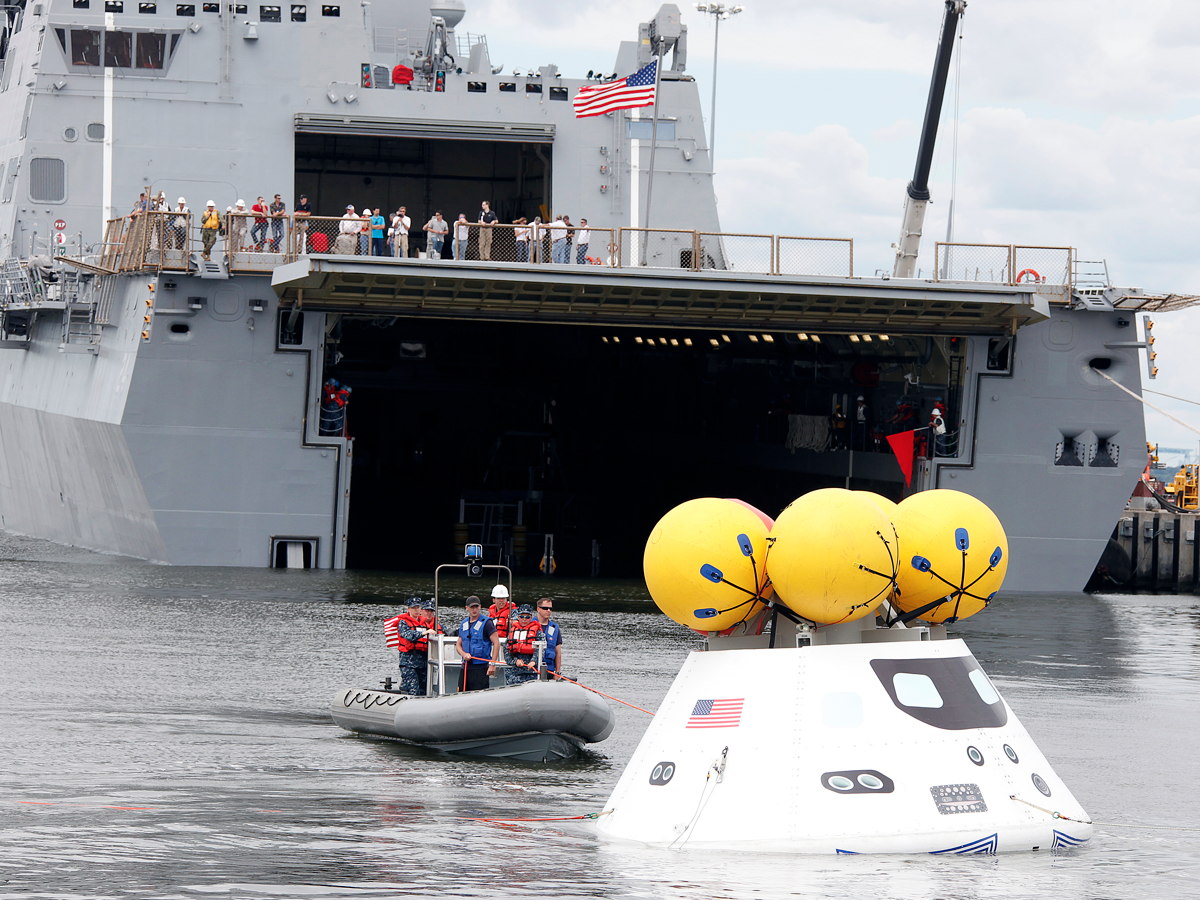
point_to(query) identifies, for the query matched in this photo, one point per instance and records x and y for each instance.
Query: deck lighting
(801, 336)
(714, 342)
(725, 338)
(753, 338)
(866, 338)
(816, 338)
(687, 342)
(884, 337)
(854, 338)
(768, 338)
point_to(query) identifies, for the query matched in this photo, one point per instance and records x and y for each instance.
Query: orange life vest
(403, 644)
(520, 641)
(500, 617)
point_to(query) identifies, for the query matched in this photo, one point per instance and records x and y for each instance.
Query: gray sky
(1078, 125)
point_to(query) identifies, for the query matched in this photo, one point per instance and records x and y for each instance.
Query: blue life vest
(473, 640)
(553, 637)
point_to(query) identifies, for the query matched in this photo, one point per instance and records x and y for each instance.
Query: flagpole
(658, 50)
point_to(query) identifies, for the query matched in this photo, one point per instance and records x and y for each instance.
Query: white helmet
(210, 203)
(241, 203)
(181, 200)
(499, 592)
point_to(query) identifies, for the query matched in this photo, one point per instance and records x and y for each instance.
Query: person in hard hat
(479, 646)
(861, 423)
(238, 226)
(210, 224)
(177, 230)
(519, 650)
(502, 609)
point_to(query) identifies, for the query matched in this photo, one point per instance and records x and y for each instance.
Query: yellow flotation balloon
(955, 548)
(704, 562)
(833, 558)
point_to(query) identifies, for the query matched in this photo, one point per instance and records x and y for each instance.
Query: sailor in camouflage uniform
(414, 628)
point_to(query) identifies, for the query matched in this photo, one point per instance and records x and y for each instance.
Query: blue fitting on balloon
(744, 543)
(960, 538)
(712, 573)
(704, 613)
(995, 558)
(921, 564)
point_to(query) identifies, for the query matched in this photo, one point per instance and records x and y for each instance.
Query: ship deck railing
(253, 243)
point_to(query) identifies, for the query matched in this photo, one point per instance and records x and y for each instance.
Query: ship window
(270, 13)
(239, 9)
(331, 11)
(95, 131)
(85, 47)
(211, 7)
(558, 93)
(185, 9)
(114, 6)
(641, 129)
(151, 50)
(174, 43)
(507, 87)
(118, 49)
(533, 88)
(61, 34)
(47, 180)
(291, 329)
(299, 13)
(147, 8)
(80, 4)
(70, 134)
(476, 87)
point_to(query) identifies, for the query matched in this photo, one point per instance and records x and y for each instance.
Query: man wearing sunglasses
(552, 635)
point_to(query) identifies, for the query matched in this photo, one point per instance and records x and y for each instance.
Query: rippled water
(165, 734)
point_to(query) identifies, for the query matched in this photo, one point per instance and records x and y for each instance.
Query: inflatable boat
(539, 721)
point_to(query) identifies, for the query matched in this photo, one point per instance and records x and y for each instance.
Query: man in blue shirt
(552, 635)
(479, 646)
(378, 241)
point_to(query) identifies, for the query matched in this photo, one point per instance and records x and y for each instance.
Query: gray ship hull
(156, 404)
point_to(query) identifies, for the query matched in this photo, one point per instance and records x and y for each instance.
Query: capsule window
(915, 689)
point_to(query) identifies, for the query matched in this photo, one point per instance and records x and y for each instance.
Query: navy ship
(302, 386)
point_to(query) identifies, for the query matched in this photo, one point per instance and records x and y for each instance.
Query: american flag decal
(716, 714)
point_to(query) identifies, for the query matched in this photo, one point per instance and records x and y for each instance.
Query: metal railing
(249, 242)
(1003, 263)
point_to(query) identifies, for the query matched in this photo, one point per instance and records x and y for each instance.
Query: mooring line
(1058, 815)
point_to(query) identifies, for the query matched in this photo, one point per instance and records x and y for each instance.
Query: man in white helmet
(210, 224)
(177, 230)
(501, 610)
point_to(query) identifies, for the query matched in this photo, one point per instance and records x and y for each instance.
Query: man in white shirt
(558, 241)
(583, 236)
(401, 224)
(348, 230)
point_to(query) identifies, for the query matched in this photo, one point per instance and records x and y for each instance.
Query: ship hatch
(590, 434)
(452, 167)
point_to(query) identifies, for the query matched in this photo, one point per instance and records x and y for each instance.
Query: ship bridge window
(642, 129)
(151, 50)
(146, 9)
(558, 93)
(80, 4)
(507, 87)
(185, 9)
(114, 6)
(211, 7)
(47, 180)
(270, 13)
(533, 88)
(334, 11)
(476, 87)
(299, 13)
(85, 47)
(118, 49)
(239, 9)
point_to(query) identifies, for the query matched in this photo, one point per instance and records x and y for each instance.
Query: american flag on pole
(716, 714)
(624, 93)
(391, 631)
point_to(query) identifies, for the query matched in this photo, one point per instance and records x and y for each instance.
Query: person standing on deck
(401, 224)
(583, 237)
(479, 646)
(501, 610)
(487, 219)
(552, 634)
(378, 240)
(210, 224)
(437, 228)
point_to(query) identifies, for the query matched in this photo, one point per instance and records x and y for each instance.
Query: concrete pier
(1154, 551)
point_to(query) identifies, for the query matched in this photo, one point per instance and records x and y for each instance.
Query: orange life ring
(1036, 277)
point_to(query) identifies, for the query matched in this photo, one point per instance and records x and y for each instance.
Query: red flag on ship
(902, 445)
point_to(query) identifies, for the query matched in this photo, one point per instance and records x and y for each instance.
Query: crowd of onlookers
(261, 228)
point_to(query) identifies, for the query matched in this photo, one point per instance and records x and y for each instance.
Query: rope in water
(522, 665)
(1059, 815)
(531, 819)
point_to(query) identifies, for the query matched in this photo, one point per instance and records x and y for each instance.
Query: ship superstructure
(157, 403)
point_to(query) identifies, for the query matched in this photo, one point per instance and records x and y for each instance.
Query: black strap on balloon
(715, 575)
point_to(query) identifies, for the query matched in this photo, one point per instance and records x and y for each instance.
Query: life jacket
(408, 620)
(210, 219)
(501, 617)
(522, 635)
(473, 641)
